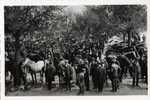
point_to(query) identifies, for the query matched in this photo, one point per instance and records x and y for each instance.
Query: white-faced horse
(34, 67)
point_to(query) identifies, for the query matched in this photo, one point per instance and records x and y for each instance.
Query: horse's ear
(27, 55)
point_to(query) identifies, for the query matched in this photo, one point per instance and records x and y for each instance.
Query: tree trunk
(17, 54)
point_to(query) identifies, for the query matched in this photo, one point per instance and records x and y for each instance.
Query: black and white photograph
(75, 50)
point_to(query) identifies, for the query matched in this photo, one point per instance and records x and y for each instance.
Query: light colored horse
(34, 67)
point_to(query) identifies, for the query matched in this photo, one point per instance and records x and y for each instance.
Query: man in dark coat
(115, 73)
(49, 74)
(136, 72)
(101, 76)
(93, 73)
(86, 76)
(68, 75)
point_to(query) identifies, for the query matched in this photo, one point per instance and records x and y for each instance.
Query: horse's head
(25, 62)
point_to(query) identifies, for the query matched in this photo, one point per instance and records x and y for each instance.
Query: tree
(25, 24)
(29, 20)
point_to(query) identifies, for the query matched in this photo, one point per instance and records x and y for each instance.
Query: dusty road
(125, 89)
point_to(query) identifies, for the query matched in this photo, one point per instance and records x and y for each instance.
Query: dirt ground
(125, 89)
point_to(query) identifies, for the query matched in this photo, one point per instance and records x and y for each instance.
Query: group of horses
(36, 64)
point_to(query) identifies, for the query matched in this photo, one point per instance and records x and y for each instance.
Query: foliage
(40, 27)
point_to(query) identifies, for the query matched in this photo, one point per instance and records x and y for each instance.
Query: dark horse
(135, 68)
(125, 65)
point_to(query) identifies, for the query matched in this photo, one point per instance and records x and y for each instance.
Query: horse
(34, 67)
(135, 68)
(125, 64)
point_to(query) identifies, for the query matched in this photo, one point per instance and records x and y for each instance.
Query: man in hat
(115, 70)
(49, 74)
(101, 76)
(93, 72)
(81, 81)
(136, 71)
(86, 76)
(68, 75)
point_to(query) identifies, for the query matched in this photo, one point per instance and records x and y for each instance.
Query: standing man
(136, 72)
(86, 76)
(81, 81)
(115, 70)
(68, 75)
(93, 72)
(101, 76)
(49, 74)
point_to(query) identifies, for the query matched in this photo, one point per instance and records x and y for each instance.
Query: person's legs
(95, 82)
(133, 81)
(99, 86)
(137, 79)
(113, 85)
(66, 83)
(102, 84)
(49, 84)
(87, 83)
(69, 84)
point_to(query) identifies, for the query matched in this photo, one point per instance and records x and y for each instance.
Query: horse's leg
(41, 77)
(33, 82)
(130, 71)
(106, 79)
(116, 85)
(59, 80)
(121, 75)
(35, 78)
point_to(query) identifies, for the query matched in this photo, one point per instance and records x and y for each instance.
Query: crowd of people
(79, 64)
